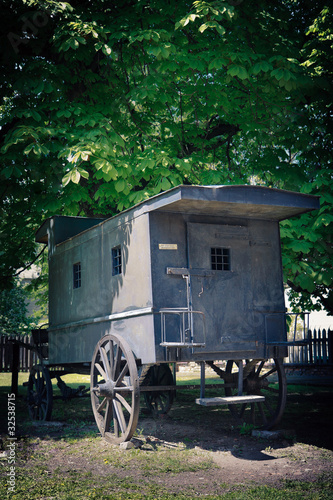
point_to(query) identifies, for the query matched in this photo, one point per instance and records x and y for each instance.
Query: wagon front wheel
(262, 379)
(40, 393)
(114, 389)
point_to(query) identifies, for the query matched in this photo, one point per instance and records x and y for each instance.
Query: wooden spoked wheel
(40, 393)
(114, 389)
(159, 402)
(262, 379)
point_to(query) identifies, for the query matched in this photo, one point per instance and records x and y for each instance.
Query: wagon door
(220, 270)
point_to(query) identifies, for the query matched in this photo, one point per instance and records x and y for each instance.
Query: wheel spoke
(108, 416)
(119, 415)
(248, 368)
(241, 413)
(117, 360)
(101, 371)
(267, 374)
(269, 407)
(260, 367)
(105, 363)
(122, 375)
(272, 390)
(101, 406)
(123, 401)
(111, 357)
(262, 413)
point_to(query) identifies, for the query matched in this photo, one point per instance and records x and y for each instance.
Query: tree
(307, 242)
(105, 105)
(13, 311)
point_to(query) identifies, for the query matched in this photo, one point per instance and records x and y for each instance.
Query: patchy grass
(67, 460)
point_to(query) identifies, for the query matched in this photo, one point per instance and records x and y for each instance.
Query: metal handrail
(186, 334)
(305, 328)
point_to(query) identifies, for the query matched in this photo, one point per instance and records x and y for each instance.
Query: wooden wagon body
(192, 274)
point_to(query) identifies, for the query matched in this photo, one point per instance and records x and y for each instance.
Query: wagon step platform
(230, 400)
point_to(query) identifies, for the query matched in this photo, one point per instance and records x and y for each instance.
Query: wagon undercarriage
(253, 392)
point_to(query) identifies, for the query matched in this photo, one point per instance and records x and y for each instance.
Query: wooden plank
(230, 400)
(324, 348)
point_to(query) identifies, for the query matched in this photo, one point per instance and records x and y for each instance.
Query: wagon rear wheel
(114, 389)
(159, 402)
(260, 380)
(40, 393)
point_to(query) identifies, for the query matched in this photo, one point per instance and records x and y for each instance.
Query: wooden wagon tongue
(192, 274)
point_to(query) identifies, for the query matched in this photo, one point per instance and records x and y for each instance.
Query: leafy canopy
(104, 105)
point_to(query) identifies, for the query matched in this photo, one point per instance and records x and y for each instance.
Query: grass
(112, 474)
(78, 486)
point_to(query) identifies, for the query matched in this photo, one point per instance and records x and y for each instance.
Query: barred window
(116, 261)
(77, 275)
(220, 259)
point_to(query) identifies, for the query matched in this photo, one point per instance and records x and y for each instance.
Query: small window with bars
(77, 275)
(116, 261)
(220, 259)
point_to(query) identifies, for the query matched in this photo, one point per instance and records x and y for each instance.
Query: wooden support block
(230, 400)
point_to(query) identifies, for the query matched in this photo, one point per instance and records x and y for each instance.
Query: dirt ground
(233, 459)
(302, 450)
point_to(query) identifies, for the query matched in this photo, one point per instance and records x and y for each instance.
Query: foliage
(13, 311)
(24, 306)
(308, 246)
(106, 104)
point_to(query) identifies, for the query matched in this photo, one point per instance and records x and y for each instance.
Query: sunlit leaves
(108, 105)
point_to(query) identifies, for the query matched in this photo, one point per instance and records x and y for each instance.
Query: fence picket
(318, 351)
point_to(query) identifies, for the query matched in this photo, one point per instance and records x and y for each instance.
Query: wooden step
(230, 400)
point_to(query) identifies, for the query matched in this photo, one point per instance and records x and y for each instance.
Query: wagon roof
(256, 202)
(251, 202)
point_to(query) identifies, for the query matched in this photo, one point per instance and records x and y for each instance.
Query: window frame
(77, 275)
(117, 261)
(220, 259)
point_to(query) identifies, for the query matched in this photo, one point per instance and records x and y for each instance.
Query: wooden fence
(318, 350)
(27, 358)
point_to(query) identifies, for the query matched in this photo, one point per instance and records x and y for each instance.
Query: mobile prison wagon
(192, 274)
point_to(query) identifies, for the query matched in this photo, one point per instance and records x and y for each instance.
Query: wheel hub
(255, 384)
(106, 390)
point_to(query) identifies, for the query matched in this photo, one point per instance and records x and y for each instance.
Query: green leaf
(165, 184)
(36, 116)
(66, 179)
(120, 185)
(75, 176)
(239, 71)
(300, 246)
(306, 282)
(83, 172)
(278, 73)
(117, 138)
(29, 148)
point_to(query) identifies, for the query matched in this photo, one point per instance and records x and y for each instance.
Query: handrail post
(202, 379)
